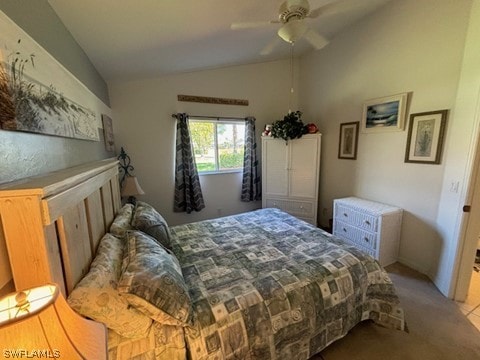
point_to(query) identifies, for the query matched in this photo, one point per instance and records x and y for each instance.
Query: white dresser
(290, 174)
(370, 226)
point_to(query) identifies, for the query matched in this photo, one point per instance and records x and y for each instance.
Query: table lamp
(38, 323)
(131, 188)
(128, 182)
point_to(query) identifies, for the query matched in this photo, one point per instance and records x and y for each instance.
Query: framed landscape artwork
(425, 137)
(37, 94)
(348, 143)
(384, 114)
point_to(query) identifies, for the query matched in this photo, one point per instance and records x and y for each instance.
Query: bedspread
(164, 342)
(266, 285)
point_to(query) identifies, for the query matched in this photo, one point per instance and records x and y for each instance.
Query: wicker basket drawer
(358, 236)
(362, 220)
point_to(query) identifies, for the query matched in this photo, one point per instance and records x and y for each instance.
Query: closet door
(275, 167)
(303, 167)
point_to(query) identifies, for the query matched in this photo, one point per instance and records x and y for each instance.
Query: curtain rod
(211, 117)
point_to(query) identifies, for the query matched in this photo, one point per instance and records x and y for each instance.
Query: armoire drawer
(356, 235)
(362, 220)
(294, 207)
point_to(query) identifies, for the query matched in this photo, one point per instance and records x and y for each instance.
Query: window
(218, 145)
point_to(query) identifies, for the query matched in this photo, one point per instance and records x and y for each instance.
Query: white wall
(461, 146)
(24, 155)
(144, 127)
(407, 46)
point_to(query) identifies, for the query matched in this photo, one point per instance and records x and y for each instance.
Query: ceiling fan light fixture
(292, 30)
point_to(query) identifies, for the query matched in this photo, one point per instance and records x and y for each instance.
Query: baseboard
(416, 267)
(423, 271)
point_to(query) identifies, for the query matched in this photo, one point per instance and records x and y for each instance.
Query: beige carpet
(437, 328)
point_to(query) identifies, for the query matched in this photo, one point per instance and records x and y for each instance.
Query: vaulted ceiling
(128, 39)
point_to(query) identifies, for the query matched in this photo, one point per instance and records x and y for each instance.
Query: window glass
(218, 145)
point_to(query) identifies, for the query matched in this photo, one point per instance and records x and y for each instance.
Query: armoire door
(303, 167)
(275, 168)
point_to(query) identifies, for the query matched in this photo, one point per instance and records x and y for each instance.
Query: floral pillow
(152, 281)
(149, 221)
(97, 298)
(122, 221)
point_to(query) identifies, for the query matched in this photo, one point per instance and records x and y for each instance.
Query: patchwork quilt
(265, 285)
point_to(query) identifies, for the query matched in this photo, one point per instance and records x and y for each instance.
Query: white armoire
(290, 173)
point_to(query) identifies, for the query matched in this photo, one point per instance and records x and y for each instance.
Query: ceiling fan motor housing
(293, 9)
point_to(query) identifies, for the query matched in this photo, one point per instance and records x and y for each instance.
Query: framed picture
(425, 137)
(384, 114)
(108, 133)
(37, 94)
(348, 143)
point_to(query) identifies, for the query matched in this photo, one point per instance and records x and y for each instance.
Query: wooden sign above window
(212, 100)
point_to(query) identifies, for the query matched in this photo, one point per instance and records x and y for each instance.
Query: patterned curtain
(188, 193)
(251, 185)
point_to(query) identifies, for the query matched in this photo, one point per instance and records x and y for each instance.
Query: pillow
(122, 221)
(96, 297)
(152, 281)
(149, 221)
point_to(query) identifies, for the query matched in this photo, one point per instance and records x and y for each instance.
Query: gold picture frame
(425, 137)
(348, 142)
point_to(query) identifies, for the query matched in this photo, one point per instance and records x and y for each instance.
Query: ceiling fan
(292, 14)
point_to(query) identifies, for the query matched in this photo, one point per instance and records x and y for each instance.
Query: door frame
(469, 228)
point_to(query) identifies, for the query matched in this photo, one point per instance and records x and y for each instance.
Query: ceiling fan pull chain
(292, 78)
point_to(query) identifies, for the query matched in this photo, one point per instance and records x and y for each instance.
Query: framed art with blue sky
(384, 114)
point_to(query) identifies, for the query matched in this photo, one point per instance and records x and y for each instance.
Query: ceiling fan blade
(315, 39)
(252, 24)
(270, 46)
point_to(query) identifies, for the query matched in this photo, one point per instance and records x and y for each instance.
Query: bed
(259, 285)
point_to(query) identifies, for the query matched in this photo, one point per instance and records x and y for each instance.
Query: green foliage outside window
(231, 161)
(218, 146)
(202, 137)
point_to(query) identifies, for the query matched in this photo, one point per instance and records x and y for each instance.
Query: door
(471, 239)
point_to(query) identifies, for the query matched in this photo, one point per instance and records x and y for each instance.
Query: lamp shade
(39, 323)
(131, 187)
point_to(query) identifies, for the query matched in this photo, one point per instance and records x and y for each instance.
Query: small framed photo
(384, 114)
(108, 133)
(425, 137)
(348, 143)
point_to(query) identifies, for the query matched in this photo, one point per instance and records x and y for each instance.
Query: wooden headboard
(52, 224)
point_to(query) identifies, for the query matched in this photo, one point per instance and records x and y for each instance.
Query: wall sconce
(128, 183)
(39, 320)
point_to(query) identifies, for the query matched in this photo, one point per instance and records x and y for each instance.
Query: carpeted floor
(437, 328)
